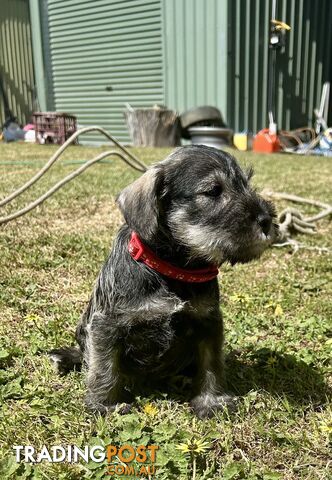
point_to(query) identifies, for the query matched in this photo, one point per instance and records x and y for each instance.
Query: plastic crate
(54, 127)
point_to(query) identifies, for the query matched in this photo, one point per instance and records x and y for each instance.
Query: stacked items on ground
(161, 127)
(46, 127)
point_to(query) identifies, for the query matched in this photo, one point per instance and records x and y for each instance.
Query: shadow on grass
(279, 374)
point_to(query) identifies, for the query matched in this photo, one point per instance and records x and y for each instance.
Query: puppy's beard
(266, 240)
(207, 243)
(201, 241)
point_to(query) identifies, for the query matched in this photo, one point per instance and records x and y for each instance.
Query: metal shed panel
(195, 38)
(97, 44)
(302, 67)
(16, 64)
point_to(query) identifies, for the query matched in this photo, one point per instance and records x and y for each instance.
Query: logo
(118, 459)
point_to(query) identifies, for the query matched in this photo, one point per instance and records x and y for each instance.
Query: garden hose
(128, 157)
(289, 220)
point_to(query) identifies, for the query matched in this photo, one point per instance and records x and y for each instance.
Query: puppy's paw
(122, 408)
(103, 409)
(207, 404)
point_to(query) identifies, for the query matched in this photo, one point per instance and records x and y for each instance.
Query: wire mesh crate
(54, 127)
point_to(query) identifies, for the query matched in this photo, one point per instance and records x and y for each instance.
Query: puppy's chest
(199, 308)
(197, 315)
(199, 300)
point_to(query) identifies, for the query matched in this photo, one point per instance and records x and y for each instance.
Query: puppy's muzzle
(265, 222)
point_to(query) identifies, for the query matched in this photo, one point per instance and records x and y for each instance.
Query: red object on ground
(266, 142)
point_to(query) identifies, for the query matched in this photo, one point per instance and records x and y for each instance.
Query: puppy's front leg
(210, 380)
(106, 388)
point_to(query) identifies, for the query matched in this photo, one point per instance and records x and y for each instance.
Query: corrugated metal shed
(195, 35)
(302, 67)
(184, 53)
(16, 64)
(106, 53)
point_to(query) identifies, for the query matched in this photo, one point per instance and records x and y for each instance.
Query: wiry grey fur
(141, 328)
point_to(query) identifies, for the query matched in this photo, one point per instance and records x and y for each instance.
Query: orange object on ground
(266, 142)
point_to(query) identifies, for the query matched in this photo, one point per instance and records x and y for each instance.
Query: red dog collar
(142, 253)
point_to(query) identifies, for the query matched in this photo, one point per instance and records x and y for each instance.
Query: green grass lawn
(278, 333)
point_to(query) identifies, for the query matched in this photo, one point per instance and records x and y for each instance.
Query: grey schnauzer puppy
(145, 324)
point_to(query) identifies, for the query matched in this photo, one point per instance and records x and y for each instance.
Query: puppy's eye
(213, 192)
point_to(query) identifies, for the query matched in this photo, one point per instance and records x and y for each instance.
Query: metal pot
(211, 136)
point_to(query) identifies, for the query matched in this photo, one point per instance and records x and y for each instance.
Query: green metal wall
(184, 53)
(16, 63)
(96, 44)
(195, 39)
(302, 67)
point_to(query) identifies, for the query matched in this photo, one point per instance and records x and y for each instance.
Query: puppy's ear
(140, 205)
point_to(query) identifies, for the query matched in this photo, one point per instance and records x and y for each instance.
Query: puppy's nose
(265, 222)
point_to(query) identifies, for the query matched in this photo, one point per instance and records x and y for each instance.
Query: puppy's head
(201, 199)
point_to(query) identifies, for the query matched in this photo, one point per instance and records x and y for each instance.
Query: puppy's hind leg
(66, 359)
(106, 385)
